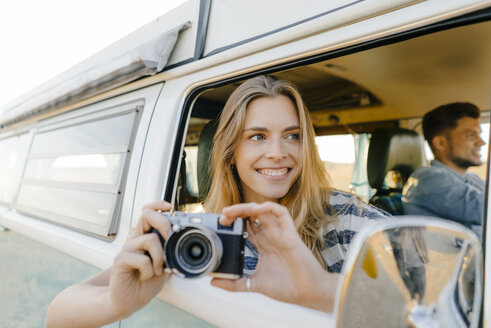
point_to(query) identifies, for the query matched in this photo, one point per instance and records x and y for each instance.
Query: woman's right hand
(286, 269)
(137, 273)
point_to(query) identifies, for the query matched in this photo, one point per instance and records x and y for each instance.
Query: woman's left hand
(286, 269)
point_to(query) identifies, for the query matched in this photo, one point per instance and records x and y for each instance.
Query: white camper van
(81, 154)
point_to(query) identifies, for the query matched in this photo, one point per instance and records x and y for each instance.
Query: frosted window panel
(86, 206)
(109, 133)
(92, 168)
(12, 151)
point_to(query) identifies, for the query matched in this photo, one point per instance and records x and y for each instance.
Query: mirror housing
(412, 272)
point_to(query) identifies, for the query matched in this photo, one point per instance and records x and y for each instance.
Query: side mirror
(412, 272)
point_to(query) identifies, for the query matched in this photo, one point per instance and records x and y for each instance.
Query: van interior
(349, 97)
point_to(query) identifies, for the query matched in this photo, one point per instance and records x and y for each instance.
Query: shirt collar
(436, 163)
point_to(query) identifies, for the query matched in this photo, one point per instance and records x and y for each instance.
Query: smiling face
(268, 152)
(465, 143)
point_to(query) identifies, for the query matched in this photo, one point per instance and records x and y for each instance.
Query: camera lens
(198, 251)
(195, 250)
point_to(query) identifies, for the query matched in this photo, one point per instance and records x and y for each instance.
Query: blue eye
(293, 136)
(257, 137)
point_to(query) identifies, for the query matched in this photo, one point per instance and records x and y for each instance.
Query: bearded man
(445, 189)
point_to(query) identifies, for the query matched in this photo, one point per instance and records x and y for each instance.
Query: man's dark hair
(445, 117)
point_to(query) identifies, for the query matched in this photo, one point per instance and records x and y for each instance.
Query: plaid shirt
(352, 215)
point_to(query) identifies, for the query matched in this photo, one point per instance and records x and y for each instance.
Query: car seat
(396, 151)
(205, 146)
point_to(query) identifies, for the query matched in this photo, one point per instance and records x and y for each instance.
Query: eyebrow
(479, 130)
(263, 129)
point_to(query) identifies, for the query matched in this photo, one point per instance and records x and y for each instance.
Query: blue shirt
(440, 191)
(351, 215)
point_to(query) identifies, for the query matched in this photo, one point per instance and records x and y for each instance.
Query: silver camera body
(199, 245)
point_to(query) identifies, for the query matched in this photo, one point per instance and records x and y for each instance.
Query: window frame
(84, 115)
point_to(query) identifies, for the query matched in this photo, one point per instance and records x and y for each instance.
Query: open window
(390, 86)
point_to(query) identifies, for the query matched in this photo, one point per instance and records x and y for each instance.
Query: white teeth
(273, 172)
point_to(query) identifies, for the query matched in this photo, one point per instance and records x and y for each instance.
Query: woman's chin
(274, 196)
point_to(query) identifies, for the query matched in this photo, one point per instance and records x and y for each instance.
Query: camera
(199, 245)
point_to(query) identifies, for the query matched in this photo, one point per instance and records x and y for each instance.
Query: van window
(346, 101)
(345, 158)
(75, 168)
(12, 151)
(338, 154)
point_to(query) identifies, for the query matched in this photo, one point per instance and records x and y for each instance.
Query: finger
(275, 209)
(272, 214)
(135, 261)
(148, 243)
(151, 219)
(238, 285)
(253, 210)
(161, 205)
(231, 213)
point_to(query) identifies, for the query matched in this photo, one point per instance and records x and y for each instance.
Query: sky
(42, 38)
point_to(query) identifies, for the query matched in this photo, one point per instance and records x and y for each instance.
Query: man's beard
(463, 163)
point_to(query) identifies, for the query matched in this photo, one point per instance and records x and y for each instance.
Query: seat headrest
(205, 146)
(393, 149)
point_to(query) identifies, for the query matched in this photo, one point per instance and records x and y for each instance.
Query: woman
(264, 152)
(265, 166)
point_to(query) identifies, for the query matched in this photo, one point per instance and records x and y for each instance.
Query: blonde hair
(308, 197)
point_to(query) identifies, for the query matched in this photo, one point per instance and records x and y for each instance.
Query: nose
(276, 149)
(481, 142)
